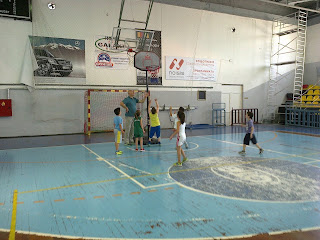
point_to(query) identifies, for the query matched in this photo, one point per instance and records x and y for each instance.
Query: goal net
(100, 105)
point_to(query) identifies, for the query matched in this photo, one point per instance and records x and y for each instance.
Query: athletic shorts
(117, 136)
(155, 130)
(247, 139)
(180, 141)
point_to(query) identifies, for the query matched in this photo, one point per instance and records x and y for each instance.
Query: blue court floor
(85, 190)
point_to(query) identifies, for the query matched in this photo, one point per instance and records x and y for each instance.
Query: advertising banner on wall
(103, 58)
(156, 48)
(59, 60)
(183, 68)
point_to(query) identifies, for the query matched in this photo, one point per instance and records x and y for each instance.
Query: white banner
(182, 68)
(106, 59)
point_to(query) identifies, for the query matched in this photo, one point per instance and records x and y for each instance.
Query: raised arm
(149, 107)
(157, 105)
(145, 96)
(170, 111)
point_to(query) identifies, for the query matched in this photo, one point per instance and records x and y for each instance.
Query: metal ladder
(300, 55)
(282, 27)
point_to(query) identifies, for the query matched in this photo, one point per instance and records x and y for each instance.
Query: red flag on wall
(5, 108)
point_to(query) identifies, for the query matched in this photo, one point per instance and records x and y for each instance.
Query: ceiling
(261, 9)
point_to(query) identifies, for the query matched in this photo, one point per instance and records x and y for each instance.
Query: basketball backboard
(129, 38)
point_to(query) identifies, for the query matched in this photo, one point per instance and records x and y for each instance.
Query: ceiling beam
(290, 6)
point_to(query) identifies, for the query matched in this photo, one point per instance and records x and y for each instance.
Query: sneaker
(159, 143)
(149, 143)
(242, 152)
(137, 149)
(261, 151)
(178, 164)
(118, 153)
(184, 160)
(142, 150)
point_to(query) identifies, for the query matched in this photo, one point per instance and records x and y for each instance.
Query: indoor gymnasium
(158, 119)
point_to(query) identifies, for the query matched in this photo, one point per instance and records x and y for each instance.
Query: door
(232, 96)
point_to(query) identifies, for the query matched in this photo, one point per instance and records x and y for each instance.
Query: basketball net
(131, 54)
(154, 73)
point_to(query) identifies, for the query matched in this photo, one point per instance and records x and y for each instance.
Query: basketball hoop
(131, 54)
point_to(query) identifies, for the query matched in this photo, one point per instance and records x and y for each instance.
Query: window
(202, 95)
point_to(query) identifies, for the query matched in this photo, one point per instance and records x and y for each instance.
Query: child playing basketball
(181, 138)
(118, 130)
(249, 134)
(155, 122)
(174, 118)
(138, 130)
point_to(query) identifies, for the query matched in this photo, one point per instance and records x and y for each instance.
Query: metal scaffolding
(288, 48)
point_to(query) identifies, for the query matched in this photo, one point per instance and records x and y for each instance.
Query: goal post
(99, 108)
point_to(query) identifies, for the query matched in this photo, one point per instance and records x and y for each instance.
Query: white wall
(13, 38)
(243, 55)
(312, 55)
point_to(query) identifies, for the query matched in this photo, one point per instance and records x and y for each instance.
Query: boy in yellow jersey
(154, 121)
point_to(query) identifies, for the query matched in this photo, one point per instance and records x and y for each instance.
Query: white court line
(70, 145)
(161, 185)
(312, 161)
(119, 170)
(292, 155)
(181, 184)
(125, 165)
(186, 150)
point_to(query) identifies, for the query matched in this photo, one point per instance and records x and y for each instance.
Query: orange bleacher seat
(304, 98)
(315, 103)
(316, 87)
(316, 92)
(308, 102)
(310, 92)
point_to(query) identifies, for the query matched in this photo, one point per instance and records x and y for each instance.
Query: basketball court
(60, 174)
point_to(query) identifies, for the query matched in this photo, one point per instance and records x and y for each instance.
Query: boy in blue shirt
(118, 130)
(249, 134)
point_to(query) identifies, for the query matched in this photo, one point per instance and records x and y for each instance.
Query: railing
(303, 117)
(218, 114)
(238, 116)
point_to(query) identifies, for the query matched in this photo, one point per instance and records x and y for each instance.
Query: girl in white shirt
(181, 138)
(174, 119)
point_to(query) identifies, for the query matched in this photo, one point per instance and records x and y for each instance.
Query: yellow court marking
(41, 201)
(270, 140)
(12, 234)
(116, 195)
(153, 190)
(1, 204)
(59, 200)
(80, 198)
(135, 193)
(163, 173)
(98, 197)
